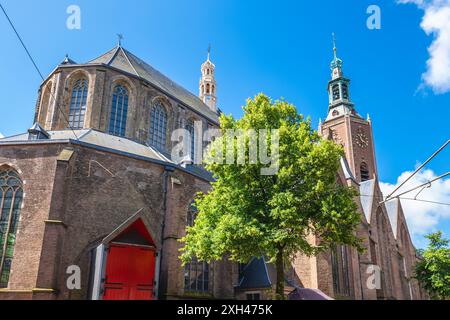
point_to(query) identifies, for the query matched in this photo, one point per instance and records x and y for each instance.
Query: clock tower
(346, 127)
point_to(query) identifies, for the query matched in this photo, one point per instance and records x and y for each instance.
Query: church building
(91, 190)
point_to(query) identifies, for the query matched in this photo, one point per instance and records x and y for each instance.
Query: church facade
(93, 203)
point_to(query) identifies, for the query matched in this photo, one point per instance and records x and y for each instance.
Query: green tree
(433, 269)
(248, 214)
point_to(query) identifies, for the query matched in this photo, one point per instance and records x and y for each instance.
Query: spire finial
(119, 39)
(334, 46)
(209, 51)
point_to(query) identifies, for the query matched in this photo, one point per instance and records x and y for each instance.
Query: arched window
(45, 102)
(196, 273)
(336, 93)
(190, 127)
(78, 100)
(11, 195)
(213, 89)
(344, 91)
(340, 270)
(208, 88)
(119, 110)
(158, 126)
(364, 170)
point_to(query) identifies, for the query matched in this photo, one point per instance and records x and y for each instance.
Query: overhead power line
(417, 170)
(403, 198)
(36, 67)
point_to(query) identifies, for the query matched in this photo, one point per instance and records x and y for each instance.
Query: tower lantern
(208, 86)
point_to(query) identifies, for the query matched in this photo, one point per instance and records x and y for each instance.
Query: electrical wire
(418, 169)
(33, 61)
(403, 198)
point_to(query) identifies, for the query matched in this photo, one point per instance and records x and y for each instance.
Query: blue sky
(281, 48)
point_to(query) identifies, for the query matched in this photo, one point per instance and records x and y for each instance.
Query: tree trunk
(280, 275)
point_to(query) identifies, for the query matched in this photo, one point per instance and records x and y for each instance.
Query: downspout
(161, 281)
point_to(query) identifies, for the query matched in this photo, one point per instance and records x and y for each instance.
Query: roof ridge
(125, 52)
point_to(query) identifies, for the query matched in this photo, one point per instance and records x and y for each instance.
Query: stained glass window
(77, 108)
(11, 195)
(158, 126)
(119, 110)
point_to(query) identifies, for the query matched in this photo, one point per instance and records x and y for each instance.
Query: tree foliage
(433, 270)
(247, 214)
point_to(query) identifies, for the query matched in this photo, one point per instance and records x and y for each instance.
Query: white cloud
(436, 22)
(1, 136)
(422, 217)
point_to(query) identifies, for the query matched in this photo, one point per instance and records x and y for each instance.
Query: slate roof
(124, 60)
(392, 208)
(367, 192)
(255, 275)
(107, 142)
(347, 172)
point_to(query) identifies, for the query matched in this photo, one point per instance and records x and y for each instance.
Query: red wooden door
(130, 273)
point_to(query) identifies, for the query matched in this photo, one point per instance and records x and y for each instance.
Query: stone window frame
(162, 145)
(364, 171)
(69, 85)
(123, 81)
(195, 269)
(77, 108)
(9, 218)
(340, 266)
(44, 105)
(120, 103)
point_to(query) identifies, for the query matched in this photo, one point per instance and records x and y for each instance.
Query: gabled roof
(346, 169)
(124, 60)
(367, 195)
(392, 208)
(110, 143)
(255, 275)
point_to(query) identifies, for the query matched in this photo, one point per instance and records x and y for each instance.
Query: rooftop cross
(119, 39)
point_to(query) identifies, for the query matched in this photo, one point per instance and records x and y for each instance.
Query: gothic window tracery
(119, 111)
(340, 270)
(158, 126)
(196, 273)
(77, 109)
(11, 196)
(190, 127)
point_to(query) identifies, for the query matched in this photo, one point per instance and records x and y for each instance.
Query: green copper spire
(336, 63)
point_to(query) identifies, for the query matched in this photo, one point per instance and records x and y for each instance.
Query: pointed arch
(158, 125)
(190, 128)
(196, 273)
(119, 110)
(45, 103)
(11, 197)
(78, 103)
(364, 171)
